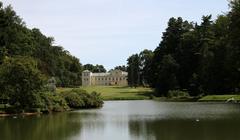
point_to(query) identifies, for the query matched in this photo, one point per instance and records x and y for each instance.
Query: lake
(130, 120)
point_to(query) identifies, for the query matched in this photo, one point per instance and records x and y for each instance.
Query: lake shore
(20, 114)
(115, 93)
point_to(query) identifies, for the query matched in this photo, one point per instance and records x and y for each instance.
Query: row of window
(85, 79)
(117, 79)
(85, 74)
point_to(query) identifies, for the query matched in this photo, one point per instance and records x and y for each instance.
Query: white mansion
(115, 77)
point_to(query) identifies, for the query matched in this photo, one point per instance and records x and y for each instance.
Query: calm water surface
(131, 120)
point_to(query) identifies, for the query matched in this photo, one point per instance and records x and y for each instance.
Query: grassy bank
(141, 93)
(117, 92)
(165, 99)
(219, 98)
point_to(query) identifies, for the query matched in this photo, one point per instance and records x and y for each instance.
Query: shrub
(78, 98)
(177, 94)
(73, 100)
(54, 102)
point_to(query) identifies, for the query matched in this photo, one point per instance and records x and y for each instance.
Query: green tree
(234, 37)
(21, 81)
(145, 63)
(92, 68)
(133, 70)
(122, 68)
(166, 78)
(53, 61)
(169, 46)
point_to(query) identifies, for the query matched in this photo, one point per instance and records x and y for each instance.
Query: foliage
(73, 99)
(21, 81)
(53, 102)
(139, 68)
(53, 61)
(122, 68)
(177, 94)
(133, 70)
(92, 68)
(27, 59)
(51, 84)
(77, 98)
(202, 58)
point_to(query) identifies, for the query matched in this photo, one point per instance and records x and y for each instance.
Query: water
(130, 120)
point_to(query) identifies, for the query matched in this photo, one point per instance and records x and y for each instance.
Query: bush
(54, 102)
(78, 98)
(73, 100)
(177, 94)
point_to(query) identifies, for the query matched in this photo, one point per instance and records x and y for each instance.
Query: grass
(117, 92)
(219, 98)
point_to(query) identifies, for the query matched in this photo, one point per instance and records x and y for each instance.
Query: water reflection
(184, 130)
(51, 127)
(130, 120)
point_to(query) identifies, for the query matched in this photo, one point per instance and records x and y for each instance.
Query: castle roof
(107, 73)
(86, 71)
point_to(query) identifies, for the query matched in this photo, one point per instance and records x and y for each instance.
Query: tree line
(52, 60)
(199, 58)
(31, 67)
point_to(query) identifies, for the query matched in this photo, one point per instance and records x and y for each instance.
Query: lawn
(219, 98)
(117, 92)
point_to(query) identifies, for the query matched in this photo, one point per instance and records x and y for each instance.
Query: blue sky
(107, 32)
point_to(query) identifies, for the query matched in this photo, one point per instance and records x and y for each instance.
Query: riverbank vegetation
(199, 58)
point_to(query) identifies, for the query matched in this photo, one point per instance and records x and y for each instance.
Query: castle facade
(114, 77)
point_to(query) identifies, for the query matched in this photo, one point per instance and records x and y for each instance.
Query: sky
(107, 32)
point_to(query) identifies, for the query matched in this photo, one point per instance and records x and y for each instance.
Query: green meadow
(117, 92)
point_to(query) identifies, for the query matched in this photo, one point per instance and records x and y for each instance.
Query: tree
(145, 63)
(133, 70)
(21, 81)
(234, 37)
(169, 46)
(53, 61)
(97, 68)
(166, 78)
(122, 68)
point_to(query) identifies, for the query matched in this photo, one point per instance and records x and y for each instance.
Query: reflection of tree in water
(50, 127)
(184, 129)
(61, 126)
